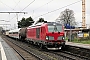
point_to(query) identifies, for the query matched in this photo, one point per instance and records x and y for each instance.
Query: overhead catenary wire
(6, 5)
(47, 12)
(36, 8)
(25, 8)
(27, 5)
(43, 5)
(17, 4)
(58, 9)
(17, 12)
(21, 10)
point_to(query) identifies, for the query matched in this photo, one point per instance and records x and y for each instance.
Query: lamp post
(70, 30)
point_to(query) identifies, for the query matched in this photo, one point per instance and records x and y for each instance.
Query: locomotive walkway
(87, 46)
(6, 53)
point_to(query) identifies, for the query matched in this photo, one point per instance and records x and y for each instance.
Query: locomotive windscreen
(54, 27)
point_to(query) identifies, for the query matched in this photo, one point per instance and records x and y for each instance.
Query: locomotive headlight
(47, 37)
(63, 38)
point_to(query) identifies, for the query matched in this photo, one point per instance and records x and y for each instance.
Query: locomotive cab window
(54, 28)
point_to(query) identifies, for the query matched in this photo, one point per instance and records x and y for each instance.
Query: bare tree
(67, 17)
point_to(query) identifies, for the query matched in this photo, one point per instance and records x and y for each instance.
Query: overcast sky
(39, 9)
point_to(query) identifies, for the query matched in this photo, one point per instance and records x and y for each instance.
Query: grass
(81, 41)
(76, 40)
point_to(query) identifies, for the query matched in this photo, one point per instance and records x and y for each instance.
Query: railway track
(66, 55)
(31, 50)
(70, 56)
(80, 52)
(44, 54)
(22, 54)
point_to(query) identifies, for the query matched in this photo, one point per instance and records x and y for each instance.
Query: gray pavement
(0, 55)
(87, 46)
(6, 53)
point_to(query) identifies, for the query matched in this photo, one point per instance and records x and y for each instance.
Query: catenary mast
(83, 14)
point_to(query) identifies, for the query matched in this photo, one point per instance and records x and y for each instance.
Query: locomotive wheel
(63, 47)
(19, 37)
(31, 42)
(41, 46)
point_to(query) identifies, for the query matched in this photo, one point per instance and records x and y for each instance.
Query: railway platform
(87, 46)
(6, 53)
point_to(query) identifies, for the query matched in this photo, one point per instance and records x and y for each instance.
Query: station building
(77, 33)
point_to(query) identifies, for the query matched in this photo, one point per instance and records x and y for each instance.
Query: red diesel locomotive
(49, 35)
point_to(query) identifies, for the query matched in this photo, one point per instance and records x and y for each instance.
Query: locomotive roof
(52, 23)
(49, 23)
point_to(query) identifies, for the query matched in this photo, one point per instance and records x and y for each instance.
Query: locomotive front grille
(60, 38)
(52, 38)
(49, 37)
